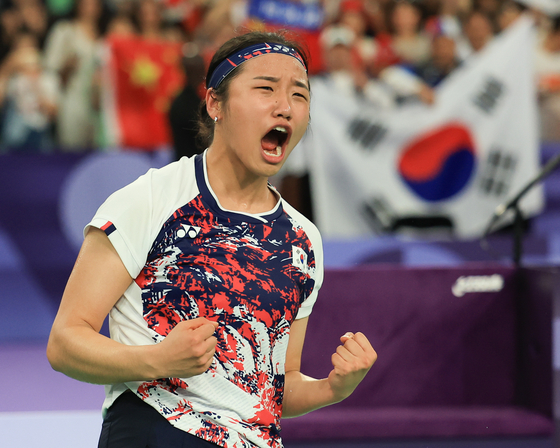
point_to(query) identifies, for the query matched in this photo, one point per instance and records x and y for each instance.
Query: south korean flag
(299, 259)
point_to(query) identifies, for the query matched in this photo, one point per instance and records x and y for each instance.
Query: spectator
(174, 32)
(407, 78)
(148, 16)
(490, 8)
(509, 12)
(410, 44)
(547, 67)
(442, 62)
(346, 72)
(353, 17)
(384, 53)
(29, 98)
(140, 74)
(29, 16)
(34, 19)
(217, 26)
(478, 31)
(408, 87)
(183, 113)
(377, 12)
(10, 24)
(446, 21)
(70, 52)
(120, 25)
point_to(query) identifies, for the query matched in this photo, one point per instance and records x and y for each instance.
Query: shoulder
(174, 170)
(63, 27)
(300, 221)
(169, 183)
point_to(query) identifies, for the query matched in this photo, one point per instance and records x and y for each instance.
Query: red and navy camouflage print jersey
(253, 274)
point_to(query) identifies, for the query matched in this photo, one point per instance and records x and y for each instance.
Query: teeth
(276, 153)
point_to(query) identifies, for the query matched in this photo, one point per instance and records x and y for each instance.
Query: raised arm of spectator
(406, 83)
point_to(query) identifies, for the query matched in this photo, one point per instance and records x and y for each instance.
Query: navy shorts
(131, 423)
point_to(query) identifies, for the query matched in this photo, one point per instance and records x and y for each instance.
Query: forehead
(274, 65)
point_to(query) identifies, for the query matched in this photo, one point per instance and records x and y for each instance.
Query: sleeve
(315, 273)
(50, 87)
(126, 217)
(11, 88)
(58, 46)
(318, 273)
(401, 80)
(379, 95)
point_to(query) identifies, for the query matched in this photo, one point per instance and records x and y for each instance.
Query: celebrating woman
(208, 276)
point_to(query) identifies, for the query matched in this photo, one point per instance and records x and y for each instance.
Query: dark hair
(205, 122)
(417, 6)
(102, 21)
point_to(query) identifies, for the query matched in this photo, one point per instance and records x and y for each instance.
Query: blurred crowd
(60, 75)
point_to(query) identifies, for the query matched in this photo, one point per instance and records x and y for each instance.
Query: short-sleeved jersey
(253, 274)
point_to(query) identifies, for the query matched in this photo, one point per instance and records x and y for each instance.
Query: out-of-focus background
(431, 124)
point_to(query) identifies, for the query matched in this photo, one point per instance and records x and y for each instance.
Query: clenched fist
(351, 361)
(188, 349)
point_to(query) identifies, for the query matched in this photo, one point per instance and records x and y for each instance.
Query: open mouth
(274, 140)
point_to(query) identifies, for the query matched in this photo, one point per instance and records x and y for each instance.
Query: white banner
(455, 160)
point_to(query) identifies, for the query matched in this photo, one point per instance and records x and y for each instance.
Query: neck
(151, 33)
(88, 26)
(406, 34)
(236, 188)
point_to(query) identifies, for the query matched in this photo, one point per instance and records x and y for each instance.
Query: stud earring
(215, 119)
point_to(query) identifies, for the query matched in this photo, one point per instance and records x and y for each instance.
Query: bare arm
(76, 348)
(351, 361)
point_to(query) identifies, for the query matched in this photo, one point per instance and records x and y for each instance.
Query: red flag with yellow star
(142, 78)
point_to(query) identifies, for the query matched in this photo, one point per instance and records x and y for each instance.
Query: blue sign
(308, 16)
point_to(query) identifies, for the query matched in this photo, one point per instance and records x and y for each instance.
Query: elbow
(54, 354)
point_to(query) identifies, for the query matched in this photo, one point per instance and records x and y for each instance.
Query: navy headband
(236, 59)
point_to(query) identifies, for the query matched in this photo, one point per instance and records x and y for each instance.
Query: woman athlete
(208, 277)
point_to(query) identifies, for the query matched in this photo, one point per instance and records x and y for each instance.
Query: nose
(283, 108)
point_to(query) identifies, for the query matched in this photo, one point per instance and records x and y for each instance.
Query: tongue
(270, 142)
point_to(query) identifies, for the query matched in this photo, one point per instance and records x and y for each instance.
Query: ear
(213, 104)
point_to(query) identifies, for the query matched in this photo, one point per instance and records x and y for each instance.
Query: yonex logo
(477, 283)
(281, 48)
(188, 231)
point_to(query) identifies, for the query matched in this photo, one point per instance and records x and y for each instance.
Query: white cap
(337, 35)
(550, 7)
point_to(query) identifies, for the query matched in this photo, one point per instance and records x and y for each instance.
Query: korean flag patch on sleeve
(299, 259)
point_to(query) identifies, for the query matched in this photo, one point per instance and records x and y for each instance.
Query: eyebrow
(273, 79)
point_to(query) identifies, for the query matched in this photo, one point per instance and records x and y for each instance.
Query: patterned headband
(235, 60)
